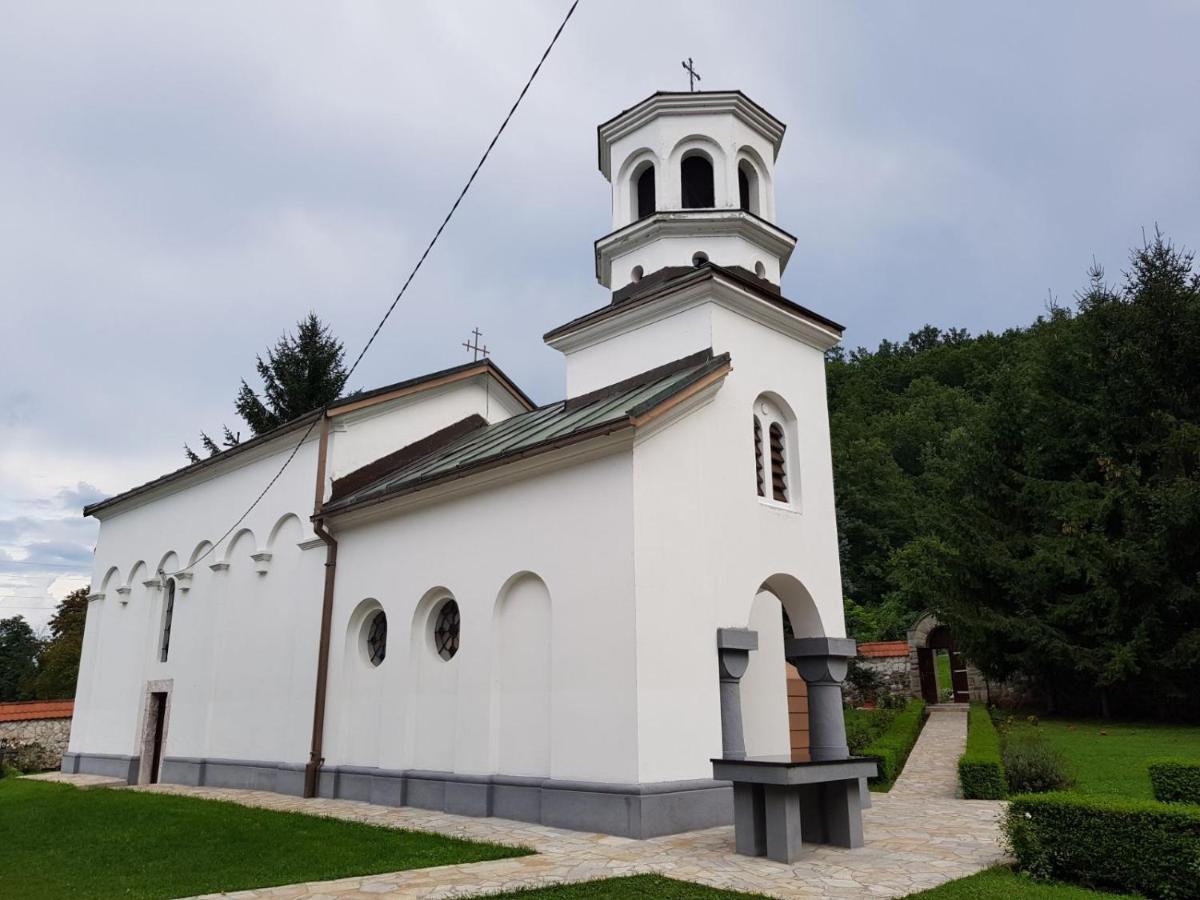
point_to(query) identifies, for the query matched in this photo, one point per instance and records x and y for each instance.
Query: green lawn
(59, 841)
(994, 884)
(944, 681)
(1107, 758)
(1001, 883)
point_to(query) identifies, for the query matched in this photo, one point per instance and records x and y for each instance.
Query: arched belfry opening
(748, 199)
(644, 189)
(696, 177)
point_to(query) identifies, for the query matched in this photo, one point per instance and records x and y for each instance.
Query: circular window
(699, 258)
(377, 638)
(445, 630)
(636, 274)
(760, 270)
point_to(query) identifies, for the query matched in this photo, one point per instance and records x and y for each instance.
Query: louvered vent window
(779, 488)
(759, 467)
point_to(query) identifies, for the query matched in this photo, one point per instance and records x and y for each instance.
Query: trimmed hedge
(1175, 780)
(1130, 845)
(980, 768)
(891, 748)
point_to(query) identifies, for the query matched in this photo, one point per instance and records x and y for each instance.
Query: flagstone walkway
(917, 836)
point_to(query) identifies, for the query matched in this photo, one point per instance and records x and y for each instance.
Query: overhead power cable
(403, 288)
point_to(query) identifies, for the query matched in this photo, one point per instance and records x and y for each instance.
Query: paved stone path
(917, 836)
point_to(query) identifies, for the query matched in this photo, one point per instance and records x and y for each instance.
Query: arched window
(747, 187)
(774, 426)
(696, 174)
(168, 614)
(645, 193)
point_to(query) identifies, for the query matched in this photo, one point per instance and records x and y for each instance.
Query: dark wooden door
(929, 689)
(958, 677)
(158, 708)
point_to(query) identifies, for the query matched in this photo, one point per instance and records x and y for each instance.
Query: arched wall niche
(433, 688)
(137, 574)
(287, 528)
(201, 548)
(111, 580)
(240, 546)
(522, 644)
(168, 564)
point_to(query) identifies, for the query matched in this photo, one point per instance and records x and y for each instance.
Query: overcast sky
(179, 183)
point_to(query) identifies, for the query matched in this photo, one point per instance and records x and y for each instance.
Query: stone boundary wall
(890, 661)
(44, 723)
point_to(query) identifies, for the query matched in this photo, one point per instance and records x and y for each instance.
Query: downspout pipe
(312, 769)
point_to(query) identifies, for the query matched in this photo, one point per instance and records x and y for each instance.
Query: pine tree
(301, 373)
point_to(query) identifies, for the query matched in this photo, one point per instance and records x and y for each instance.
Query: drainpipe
(315, 757)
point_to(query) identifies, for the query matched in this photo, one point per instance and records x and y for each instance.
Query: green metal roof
(577, 418)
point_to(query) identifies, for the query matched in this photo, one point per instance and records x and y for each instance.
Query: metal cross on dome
(693, 75)
(474, 346)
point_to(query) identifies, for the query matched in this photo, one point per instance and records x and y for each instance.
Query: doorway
(942, 669)
(157, 721)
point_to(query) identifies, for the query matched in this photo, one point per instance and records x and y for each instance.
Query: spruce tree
(303, 372)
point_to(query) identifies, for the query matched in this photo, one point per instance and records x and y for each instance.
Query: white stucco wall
(242, 661)
(487, 710)
(242, 643)
(706, 543)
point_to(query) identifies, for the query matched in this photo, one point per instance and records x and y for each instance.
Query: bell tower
(693, 181)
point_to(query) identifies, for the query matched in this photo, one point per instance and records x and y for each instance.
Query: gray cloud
(80, 496)
(181, 184)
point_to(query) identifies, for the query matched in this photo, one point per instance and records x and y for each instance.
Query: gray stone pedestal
(779, 804)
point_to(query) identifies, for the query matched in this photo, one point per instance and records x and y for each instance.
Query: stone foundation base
(627, 810)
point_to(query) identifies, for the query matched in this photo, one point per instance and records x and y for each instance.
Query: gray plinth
(779, 804)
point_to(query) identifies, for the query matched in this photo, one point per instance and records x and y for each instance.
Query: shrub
(1175, 780)
(866, 682)
(891, 748)
(1109, 842)
(980, 768)
(1031, 766)
(863, 726)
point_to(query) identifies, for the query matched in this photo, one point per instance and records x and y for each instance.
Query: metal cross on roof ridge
(693, 75)
(474, 347)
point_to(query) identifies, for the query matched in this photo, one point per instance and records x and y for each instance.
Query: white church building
(455, 599)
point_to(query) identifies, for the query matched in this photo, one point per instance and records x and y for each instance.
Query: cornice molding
(687, 104)
(718, 290)
(707, 223)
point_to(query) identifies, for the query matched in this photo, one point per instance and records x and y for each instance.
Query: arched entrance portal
(774, 696)
(938, 671)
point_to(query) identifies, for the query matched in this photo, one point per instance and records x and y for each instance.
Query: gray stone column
(733, 654)
(821, 662)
